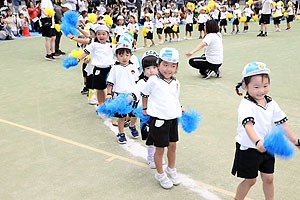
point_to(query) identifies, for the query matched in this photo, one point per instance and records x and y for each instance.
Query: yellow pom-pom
(230, 15)
(280, 2)
(131, 32)
(165, 26)
(275, 15)
(283, 10)
(285, 14)
(200, 8)
(57, 27)
(108, 20)
(76, 53)
(144, 31)
(49, 11)
(175, 28)
(250, 2)
(89, 57)
(255, 18)
(207, 9)
(196, 26)
(243, 19)
(114, 41)
(92, 17)
(211, 4)
(190, 6)
(252, 20)
(297, 17)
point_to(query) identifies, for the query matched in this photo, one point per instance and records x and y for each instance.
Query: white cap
(150, 53)
(169, 55)
(255, 68)
(67, 5)
(124, 45)
(120, 17)
(101, 28)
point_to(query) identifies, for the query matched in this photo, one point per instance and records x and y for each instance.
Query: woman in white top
(212, 59)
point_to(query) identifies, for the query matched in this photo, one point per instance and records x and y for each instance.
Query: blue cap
(255, 68)
(169, 55)
(126, 37)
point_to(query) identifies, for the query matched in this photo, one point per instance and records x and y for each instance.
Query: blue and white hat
(101, 28)
(255, 68)
(126, 37)
(124, 45)
(169, 55)
(150, 53)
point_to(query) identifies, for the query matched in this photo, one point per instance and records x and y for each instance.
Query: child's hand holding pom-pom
(190, 120)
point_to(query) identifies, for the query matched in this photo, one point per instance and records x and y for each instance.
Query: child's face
(167, 69)
(223, 9)
(132, 20)
(21, 16)
(147, 19)
(121, 21)
(150, 71)
(202, 11)
(124, 58)
(102, 36)
(258, 87)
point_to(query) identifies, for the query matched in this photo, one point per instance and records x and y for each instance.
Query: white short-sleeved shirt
(189, 18)
(133, 27)
(202, 18)
(214, 48)
(215, 14)
(163, 101)
(279, 10)
(123, 78)
(248, 12)
(138, 89)
(102, 54)
(159, 23)
(290, 11)
(237, 12)
(176, 20)
(120, 30)
(224, 15)
(149, 26)
(166, 20)
(266, 6)
(263, 118)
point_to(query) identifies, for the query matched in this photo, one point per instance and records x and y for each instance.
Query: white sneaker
(172, 174)
(93, 101)
(163, 180)
(184, 37)
(178, 39)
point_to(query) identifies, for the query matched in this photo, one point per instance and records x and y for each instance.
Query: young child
(168, 25)
(257, 114)
(20, 23)
(248, 13)
(133, 26)
(223, 19)
(149, 65)
(101, 59)
(160, 98)
(159, 21)
(121, 28)
(202, 19)
(175, 21)
(236, 15)
(290, 12)
(121, 80)
(189, 24)
(278, 12)
(149, 26)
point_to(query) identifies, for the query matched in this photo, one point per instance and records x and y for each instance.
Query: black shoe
(260, 35)
(84, 91)
(61, 52)
(49, 57)
(56, 55)
(208, 74)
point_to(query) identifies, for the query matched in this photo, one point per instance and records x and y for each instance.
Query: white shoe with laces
(172, 174)
(163, 180)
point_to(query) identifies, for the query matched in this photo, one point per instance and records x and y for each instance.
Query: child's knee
(267, 179)
(250, 182)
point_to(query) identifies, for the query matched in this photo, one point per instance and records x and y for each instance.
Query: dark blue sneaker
(134, 132)
(121, 138)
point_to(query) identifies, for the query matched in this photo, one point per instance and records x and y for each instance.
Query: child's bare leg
(244, 188)
(101, 96)
(121, 122)
(158, 155)
(133, 120)
(268, 185)
(171, 154)
(145, 42)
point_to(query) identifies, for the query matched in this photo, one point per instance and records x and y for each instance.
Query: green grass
(45, 96)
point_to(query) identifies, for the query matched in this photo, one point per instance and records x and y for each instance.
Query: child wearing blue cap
(160, 98)
(256, 115)
(122, 80)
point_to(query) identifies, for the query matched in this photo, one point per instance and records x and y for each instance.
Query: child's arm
(109, 92)
(200, 46)
(145, 104)
(254, 138)
(80, 40)
(86, 34)
(292, 137)
(82, 56)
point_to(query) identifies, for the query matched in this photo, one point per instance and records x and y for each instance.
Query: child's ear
(244, 86)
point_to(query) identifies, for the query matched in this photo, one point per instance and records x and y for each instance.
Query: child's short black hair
(160, 60)
(149, 61)
(122, 51)
(247, 80)
(212, 27)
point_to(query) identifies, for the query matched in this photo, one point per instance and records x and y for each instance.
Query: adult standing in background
(33, 13)
(48, 30)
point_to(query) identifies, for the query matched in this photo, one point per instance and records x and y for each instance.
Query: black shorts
(84, 73)
(290, 18)
(277, 20)
(236, 21)
(99, 77)
(117, 38)
(248, 162)
(89, 81)
(201, 27)
(47, 31)
(223, 22)
(163, 131)
(159, 31)
(189, 27)
(248, 19)
(265, 18)
(135, 36)
(149, 35)
(178, 31)
(145, 131)
(168, 30)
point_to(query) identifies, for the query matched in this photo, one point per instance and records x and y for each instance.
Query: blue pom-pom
(121, 105)
(277, 143)
(139, 113)
(67, 28)
(70, 61)
(190, 120)
(71, 17)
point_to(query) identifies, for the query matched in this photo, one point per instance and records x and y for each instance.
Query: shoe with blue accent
(134, 132)
(121, 138)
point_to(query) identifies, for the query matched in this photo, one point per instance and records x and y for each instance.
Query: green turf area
(45, 96)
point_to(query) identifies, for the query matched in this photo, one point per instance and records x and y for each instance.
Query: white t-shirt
(263, 119)
(149, 26)
(248, 12)
(202, 18)
(290, 10)
(189, 18)
(133, 27)
(120, 30)
(279, 10)
(166, 20)
(102, 54)
(224, 15)
(138, 89)
(214, 48)
(215, 14)
(266, 7)
(176, 20)
(163, 101)
(159, 23)
(237, 13)
(123, 78)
